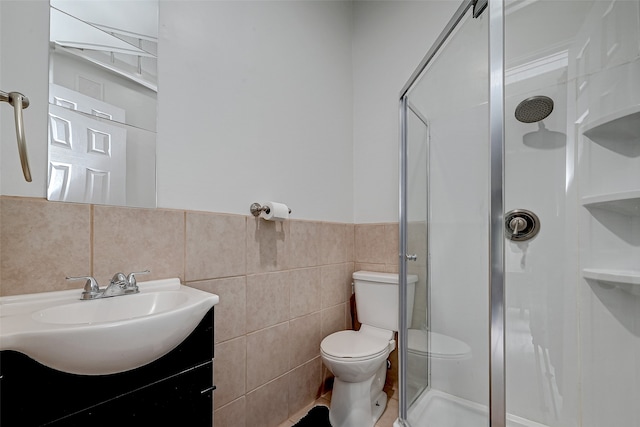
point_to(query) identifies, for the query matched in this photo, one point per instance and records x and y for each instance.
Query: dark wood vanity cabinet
(175, 390)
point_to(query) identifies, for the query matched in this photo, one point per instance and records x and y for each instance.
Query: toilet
(357, 359)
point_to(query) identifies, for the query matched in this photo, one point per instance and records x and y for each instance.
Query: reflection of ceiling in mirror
(135, 18)
(71, 32)
(114, 35)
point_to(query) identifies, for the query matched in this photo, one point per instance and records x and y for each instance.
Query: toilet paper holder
(257, 208)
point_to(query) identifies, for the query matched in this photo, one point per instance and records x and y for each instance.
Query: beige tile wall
(283, 287)
(377, 247)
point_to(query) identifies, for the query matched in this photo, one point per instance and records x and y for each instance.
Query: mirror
(103, 102)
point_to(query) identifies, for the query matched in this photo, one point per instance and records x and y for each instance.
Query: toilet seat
(354, 346)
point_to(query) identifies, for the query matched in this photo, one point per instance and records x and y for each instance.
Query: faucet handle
(91, 288)
(118, 279)
(131, 279)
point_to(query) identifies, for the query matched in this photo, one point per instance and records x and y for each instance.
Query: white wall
(390, 39)
(255, 105)
(24, 32)
(288, 101)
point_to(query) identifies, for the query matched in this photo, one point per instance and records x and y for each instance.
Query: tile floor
(386, 420)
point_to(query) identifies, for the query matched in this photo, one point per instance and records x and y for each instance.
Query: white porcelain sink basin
(102, 336)
(112, 309)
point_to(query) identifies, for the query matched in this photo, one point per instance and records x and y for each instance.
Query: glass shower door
(417, 158)
(556, 247)
(447, 184)
(572, 304)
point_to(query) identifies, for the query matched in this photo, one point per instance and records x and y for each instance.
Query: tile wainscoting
(283, 286)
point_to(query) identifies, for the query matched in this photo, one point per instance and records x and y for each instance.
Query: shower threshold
(439, 409)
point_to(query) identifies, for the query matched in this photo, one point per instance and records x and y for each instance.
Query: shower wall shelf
(625, 202)
(622, 126)
(615, 276)
(610, 192)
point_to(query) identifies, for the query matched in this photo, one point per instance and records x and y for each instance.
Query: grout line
(184, 246)
(246, 341)
(246, 245)
(91, 239)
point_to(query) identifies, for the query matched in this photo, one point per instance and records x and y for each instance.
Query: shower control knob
(521, 225)
(517, 224)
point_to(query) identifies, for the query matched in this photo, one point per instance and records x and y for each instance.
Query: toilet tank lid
(373, 276)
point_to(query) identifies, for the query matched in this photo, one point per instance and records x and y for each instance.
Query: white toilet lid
(440, 346)
(353, 344)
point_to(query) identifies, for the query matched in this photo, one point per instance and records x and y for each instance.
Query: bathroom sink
(102, 336)
(111, 309)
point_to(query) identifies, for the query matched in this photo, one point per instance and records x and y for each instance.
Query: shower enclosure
(520, 214)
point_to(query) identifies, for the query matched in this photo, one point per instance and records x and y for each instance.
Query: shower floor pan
(438, 409)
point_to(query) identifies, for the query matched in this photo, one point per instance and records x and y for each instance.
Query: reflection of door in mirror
(67, 98)
(87, 155)
(103, 101)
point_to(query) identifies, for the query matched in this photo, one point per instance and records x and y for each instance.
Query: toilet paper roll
(276, 211)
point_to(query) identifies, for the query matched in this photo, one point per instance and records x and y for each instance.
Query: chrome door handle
(19, 102)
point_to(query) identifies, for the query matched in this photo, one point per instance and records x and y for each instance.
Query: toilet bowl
(355, 355)
(357, 359)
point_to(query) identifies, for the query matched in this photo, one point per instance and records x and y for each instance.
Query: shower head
(534, 109)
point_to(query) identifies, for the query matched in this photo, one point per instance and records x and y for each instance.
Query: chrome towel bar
(19, 103)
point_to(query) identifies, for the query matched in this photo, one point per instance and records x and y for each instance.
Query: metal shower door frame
(497, 403)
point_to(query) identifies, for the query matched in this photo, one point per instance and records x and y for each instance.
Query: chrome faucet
(119, 285)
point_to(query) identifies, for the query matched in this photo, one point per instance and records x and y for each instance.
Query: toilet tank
(377, 298)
